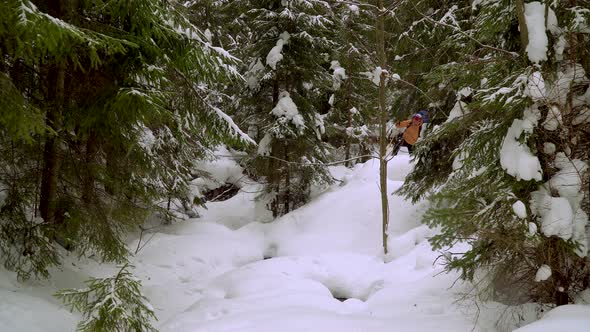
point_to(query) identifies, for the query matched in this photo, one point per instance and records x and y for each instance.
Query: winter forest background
(123, 118)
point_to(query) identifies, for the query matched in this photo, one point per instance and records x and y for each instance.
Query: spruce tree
(286, 47)
(512, 103)
(106, 105)
(111, 304)
(349, 121)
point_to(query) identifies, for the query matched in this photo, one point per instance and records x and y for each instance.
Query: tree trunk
(274, 177)
(349, 123)
(65, 9)
(51, 154)
(287, 196)
(382, 123)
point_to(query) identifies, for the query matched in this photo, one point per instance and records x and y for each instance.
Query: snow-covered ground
(319, 268)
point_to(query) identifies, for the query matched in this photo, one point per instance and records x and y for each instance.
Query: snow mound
(563, 318)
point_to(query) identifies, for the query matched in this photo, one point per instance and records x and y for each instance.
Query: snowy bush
(111, 304)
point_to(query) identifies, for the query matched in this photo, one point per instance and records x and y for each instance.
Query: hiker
(412, 132)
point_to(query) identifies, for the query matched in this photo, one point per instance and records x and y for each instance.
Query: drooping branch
(458, 29)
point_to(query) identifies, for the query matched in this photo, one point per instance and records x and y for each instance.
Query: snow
(146, 139)
(208, 35)
(579, 233)
(560, 89)
(275, 55)
(558, 219)
(318, 268)
(458, 110)
(208, 274)
(549, 148)
(543, 273)
(559, 47)
(569, 317)
(516, 158)
(20, 311)
(319, 254)
(568, 181)
(375, 76)
(253, 74)
(319, 126)
(535, 20)
(287, 109)
(580, 22)
(553, 120)
(339, 74)
(536, 87)
(221, 170)
(264, 147)
(465, 92)
(519, 209)
(233, 127)
(532, 229)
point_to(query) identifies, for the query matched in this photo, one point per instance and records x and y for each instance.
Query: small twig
(139, 246)
(139, 241)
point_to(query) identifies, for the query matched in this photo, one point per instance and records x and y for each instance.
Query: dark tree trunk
(51, 151)
(88, 180)
(287, 195)
(55, 94)
(349, 122)
(382, 124)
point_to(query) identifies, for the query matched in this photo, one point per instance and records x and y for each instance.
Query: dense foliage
(106, 104)
(503, 98)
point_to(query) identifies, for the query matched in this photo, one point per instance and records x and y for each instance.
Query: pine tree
(287, 47)
(507, 98)
(111, 304)
(113, 101)
(348, 123)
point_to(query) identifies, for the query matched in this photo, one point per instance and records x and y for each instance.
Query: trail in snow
(319, 268)
(330, 248)
(210, 274)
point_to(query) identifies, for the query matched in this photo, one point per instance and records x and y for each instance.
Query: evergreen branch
(317, 164)
(226, 118)
(458, 29)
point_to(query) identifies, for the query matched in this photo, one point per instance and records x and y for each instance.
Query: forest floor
(318, 268)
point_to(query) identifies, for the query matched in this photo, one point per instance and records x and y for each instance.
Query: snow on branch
(460, 31)
(235, 130)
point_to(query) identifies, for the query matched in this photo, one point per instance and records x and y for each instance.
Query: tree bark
(65, 9)
(287, 196)
(51, 153)
(382, 123)
(349, 123)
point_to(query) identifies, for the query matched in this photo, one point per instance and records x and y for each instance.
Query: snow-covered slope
(319, 268)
